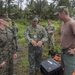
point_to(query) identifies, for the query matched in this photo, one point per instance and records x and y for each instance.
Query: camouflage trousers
(8, 69)
(3, 71)
(51, 42)
(10, 66)
(68, 62)
(34, 58)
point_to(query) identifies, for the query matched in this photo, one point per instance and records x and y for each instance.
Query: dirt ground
(21, 63)
(19, 69)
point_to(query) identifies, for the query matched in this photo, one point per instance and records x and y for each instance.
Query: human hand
(3, 64)
(39, 43)
(71, 51)
(34, 43)
(15, 56)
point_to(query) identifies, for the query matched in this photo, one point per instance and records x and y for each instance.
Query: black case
(51, 67)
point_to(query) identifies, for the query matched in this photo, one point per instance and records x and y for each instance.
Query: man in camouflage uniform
(36, 36)
(14, 30)
(50, 31)
(7, 49)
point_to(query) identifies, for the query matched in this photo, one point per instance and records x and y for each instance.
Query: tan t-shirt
(68, 34)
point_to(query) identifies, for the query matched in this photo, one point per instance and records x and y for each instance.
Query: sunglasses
(35, 21)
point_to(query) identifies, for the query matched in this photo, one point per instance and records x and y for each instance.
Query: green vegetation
(22, 24)
(42, 8)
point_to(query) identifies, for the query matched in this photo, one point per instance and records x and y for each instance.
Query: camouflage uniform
(3, 52)
(35, 53)
(7, 49)
(14, 31)
(50, 35)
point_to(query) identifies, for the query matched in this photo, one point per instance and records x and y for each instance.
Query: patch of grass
(21, 29)
(57, 48)
(22, 24)
(43, 23)
(22, 40)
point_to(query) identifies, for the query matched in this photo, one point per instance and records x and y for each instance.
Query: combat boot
(31, 73)
(37, 72)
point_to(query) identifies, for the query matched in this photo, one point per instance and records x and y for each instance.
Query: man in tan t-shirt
(67, 40)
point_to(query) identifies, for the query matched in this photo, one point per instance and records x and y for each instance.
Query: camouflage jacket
(6, 44)
(50, 28)
(37, 34)
(14, 30)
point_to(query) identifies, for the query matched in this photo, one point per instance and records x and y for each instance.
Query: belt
(65, 51)
(35, 47)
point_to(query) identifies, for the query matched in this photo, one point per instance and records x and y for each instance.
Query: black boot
(37, 72)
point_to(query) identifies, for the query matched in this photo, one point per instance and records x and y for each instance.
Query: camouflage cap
(35, 19)
(61, 9)
(49, 20)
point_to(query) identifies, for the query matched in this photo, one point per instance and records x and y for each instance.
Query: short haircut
(63, 8)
